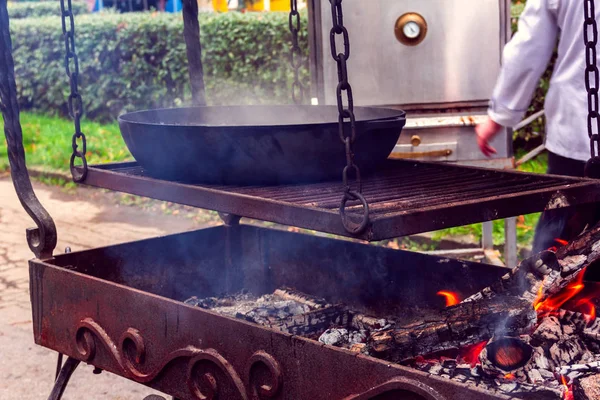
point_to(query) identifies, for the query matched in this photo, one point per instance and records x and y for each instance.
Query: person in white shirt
(525, 58)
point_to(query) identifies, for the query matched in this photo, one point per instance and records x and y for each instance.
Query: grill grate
(405, 197)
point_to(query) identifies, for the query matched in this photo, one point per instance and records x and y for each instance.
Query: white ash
(593, 330)
(572, 263)
(364, 322)
(334, 337)
(548, 330)
(588, 368)
(249, 306)
(567, 352)
(343, 337)
(540, 360)
(359, 336)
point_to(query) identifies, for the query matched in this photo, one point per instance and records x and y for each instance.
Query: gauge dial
(410, 29)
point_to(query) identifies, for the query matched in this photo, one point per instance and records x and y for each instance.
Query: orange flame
(452, 298)
(568, 395)
(561, 242)
(509, 376)
(537, 303)
(587, 307)
(556, 301)
(471, 355)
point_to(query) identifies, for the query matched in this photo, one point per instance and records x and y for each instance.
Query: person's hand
(485, 133)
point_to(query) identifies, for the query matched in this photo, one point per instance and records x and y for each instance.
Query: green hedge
(137, 60)
(41, 9)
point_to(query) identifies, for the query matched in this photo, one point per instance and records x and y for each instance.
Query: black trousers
(553, 223)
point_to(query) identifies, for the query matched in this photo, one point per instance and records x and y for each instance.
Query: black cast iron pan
(247, 145)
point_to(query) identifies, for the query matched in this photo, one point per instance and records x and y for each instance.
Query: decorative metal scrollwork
(209, 374)
(265, 376)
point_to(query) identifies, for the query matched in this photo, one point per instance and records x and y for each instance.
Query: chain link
(75, 102)
(592, 76)
(347, 131)
(296, 52)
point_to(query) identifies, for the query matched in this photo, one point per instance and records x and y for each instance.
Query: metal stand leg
(63, 378)
(488, 240)
(510, 242)
(58, 366)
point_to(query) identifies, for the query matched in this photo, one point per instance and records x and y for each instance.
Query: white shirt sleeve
(524, 60)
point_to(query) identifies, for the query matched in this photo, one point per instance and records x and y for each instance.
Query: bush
(138, 61)
(41, 9)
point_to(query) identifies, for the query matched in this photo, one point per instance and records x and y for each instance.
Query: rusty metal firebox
(121, 307)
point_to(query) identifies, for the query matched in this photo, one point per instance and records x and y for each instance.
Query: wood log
(457, 326)
(361, 321)
(587, 368)
(587, 388)
(303, 298)
(547, 273)
(525, 280)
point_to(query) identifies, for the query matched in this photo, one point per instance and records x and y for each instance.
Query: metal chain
(75, 102)
(346, 114)
(592, 76)
(296, 52)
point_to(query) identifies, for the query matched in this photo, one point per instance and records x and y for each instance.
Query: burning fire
(586, 307)
(561, 242)
(452, 298)
(568, 395)
(555, 302)
(471, 355)
(509, 376)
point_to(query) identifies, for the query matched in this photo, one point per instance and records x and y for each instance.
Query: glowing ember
(561, 242)
(568, 395)
(509, 376)
(471, 353)
(508, 357)
(556, 301)
(452, 298)
(587, 307)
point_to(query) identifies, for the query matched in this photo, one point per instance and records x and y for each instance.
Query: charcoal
(358, 347)
(566, 352)
(540, 359)
(355, 337)
(334, 337)
(436, 369)
(314, 303)
(364, 322)
(587, 388)
(449, 363)
(534, 376)
(548, 330)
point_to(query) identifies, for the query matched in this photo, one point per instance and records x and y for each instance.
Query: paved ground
(86, 218)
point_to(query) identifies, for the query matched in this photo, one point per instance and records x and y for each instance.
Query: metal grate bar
(405, 197)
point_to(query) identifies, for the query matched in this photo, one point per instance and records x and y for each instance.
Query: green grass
(47, 142)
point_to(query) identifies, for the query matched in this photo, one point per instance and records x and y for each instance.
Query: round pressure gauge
(410, 29)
